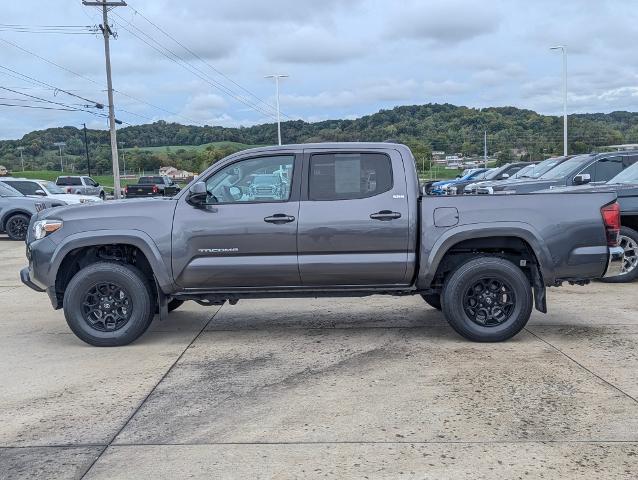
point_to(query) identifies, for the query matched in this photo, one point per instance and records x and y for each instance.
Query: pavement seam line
(138, 408)
(618, 389)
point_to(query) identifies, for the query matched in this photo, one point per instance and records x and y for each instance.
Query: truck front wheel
(108, 304)
(487, 299)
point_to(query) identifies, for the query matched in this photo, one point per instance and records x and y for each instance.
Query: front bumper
(26, 279)
(615, 262)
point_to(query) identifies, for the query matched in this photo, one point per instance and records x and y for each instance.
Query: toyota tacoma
(329, 231)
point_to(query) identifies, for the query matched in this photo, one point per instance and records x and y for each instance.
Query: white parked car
(43, 188)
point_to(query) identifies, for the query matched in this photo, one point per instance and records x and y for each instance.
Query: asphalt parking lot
(333, 388)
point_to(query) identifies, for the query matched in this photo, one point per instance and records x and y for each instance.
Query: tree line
(511, 133)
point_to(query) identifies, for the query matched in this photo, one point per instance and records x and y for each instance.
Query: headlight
(42, 228)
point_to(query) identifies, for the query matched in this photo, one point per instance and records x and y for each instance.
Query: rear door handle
(385, 215)
(279, 218)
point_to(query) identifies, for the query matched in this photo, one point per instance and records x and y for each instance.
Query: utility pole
(123, 156)
(21, 157)
(485, 149)
(60, 145)
(563, 49)
(106, 31)
(277, 76)
(86, 150)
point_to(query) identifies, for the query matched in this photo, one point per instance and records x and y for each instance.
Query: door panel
(359, 241)
(236, 243)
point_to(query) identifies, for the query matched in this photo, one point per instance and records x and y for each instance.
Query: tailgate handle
(279, 218)
(385, 215)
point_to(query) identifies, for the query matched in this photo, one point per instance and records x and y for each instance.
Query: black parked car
(576, 171)
(16, 211)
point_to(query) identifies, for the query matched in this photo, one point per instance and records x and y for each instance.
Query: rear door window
(348, 176)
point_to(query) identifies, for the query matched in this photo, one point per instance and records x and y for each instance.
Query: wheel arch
(511, 236)
(71, 249)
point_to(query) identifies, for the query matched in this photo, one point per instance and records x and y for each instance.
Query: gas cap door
(446, 217)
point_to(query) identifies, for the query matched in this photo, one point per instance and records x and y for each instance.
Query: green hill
(424, 127)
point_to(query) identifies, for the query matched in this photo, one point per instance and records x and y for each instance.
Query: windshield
(629, 175)
(7, 191)
(52, 187)
(566, 167)
(474, 174)
(524, 172)
(543, 167)
(495, 172)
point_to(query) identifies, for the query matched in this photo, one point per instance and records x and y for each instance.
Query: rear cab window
(349, 176)
(68, 181)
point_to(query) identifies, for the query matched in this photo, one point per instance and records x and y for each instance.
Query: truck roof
(332, 146)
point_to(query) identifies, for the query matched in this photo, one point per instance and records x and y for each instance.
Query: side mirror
(97, 184)
(505, 176)
(42, 193)
(582, 179)
(198, 194)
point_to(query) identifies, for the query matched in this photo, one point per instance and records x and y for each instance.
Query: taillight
(155, 189)
(68, 189)
(611, 219)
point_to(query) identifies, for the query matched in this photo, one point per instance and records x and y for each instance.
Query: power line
(56, 89)
(190, 68)
(195, 55)
(39, 107)
(79, 75)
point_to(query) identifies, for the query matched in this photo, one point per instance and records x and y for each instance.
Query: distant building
(175, 174)
(624, 146)
(453, 161)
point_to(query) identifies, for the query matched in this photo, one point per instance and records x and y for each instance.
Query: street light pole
(60, 145)
(21, 157)
(563, 49)
(277, 76)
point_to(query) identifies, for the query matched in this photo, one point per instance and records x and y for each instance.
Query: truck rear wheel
(433, 300)
(108, 304)
(487, 299)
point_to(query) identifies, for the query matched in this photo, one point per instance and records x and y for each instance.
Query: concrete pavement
(329, 388)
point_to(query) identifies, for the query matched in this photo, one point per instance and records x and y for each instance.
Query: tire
(16, 226)
(433, 300)
(174, 304)
(492, 321)
(88, 287)
(629, 242)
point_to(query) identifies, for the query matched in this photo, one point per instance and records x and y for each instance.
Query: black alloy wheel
(17, 226)
(107, 307)
(489, 302)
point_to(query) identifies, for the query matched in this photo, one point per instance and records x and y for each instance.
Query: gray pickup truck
(350, 220)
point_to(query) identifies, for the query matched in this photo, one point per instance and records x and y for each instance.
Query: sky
(344, 58)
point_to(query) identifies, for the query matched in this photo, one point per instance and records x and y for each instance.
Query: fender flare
(455, 235)
(136, 238)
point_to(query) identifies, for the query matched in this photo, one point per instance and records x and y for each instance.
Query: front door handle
(279, 218)
(385, 215)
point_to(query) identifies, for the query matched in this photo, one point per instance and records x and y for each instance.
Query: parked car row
(21, 198)
(601, 172)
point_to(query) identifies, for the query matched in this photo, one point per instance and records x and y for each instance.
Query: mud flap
(540, 296)
(162, 303)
